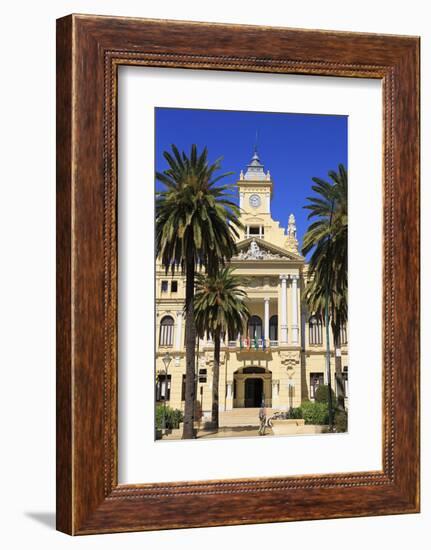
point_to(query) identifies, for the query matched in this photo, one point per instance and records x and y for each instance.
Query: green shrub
(294, 412)
(315, 413)
(340, 421)
(322, 394)
(173, 417)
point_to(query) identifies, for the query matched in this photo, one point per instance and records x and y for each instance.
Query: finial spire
(255, 169)
(291, 227)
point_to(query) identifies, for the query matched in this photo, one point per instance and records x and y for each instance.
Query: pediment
(253, 219)
(255, 249)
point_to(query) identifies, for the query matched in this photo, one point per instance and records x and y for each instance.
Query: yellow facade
(285, 359)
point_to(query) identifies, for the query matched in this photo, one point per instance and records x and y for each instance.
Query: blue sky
(294, 147)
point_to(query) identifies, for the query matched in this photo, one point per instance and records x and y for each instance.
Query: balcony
(259, 345)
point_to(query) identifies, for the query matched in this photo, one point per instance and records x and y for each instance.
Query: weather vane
(255, 143)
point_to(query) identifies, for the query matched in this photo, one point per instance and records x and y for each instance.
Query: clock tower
(255, 188)
(255, 193)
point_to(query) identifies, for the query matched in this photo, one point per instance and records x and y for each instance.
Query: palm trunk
(338, 371)
(328, 361)
(328, 348)
(216, 378)
(188, 430)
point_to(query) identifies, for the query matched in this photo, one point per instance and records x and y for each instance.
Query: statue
(291, 228)
(254, 251)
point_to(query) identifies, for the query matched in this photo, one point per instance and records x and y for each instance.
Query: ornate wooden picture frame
(89, 51)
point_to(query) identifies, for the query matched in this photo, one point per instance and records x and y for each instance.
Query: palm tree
(326, 292)
(219, 309)
(196, 223)
(315, 299)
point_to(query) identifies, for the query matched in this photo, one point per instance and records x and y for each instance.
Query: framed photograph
(237, 274)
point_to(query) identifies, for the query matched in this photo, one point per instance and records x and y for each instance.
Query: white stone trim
(295, 323)
(283, 308)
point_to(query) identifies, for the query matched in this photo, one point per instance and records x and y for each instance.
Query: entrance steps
(248, 416)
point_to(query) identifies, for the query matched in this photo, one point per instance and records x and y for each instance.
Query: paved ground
(243, 431)
(233, 432)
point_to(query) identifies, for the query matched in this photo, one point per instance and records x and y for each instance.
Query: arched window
(166, 331)
(255, 327)
(273, 328)
(315, 330)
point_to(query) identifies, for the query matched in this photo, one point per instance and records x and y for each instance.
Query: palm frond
(326, 238)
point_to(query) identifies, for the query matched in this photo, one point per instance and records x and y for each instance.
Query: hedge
(322, 394)
(315, 413)
(173, 417)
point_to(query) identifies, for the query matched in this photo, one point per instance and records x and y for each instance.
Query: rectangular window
(254, 230)
(174, 286)
(183, 388)
(346, 382)
(164, 286)
(316, 379)
(163, 387)
(203, 376)
(343, 335)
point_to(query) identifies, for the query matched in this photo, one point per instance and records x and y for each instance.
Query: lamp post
(166, 361)
(291, 390)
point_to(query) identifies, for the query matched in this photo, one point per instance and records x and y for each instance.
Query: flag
(256, 343)
(263, 343)
(240, 342)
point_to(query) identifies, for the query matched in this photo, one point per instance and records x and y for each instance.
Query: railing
(253, 345)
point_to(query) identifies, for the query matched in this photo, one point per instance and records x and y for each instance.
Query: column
(266, 320)
(275, 393)
(178, 330)
(241, 200)
(283, 312)
(229, 395)
(268, 202)
(295, 326)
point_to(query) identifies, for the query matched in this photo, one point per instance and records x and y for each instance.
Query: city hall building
(280, 360)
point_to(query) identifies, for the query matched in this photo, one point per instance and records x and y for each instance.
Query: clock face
(254, 201)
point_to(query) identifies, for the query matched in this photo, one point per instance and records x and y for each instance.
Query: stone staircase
(241, 417)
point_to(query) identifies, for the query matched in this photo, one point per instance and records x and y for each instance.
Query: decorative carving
(290, 359)
(254, 252)
(255, 282)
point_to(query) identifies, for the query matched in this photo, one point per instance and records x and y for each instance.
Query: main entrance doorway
(252, 385)
(253, 392)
